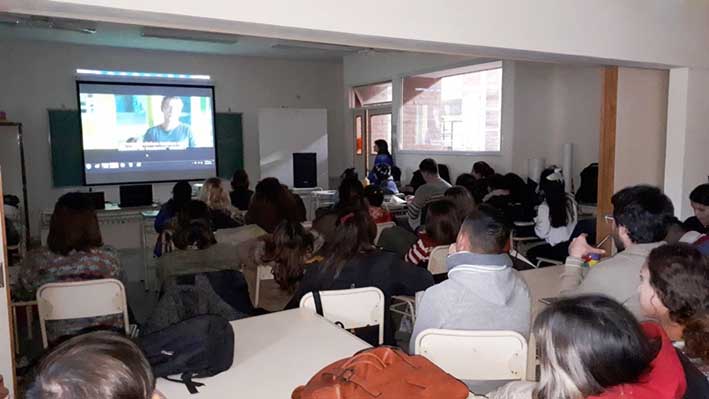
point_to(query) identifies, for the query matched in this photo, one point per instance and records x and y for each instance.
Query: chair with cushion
(352, 308)
(80, 299)
(475, 355)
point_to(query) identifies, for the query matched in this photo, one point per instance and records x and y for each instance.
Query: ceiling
(130, 36)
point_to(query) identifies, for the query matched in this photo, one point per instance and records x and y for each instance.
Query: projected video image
(140, 133)
(146, 122)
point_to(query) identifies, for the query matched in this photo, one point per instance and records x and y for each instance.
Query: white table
(274, 354)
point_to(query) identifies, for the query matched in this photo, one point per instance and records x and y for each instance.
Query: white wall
(686, 162)
(646, 31)
(641, 127)
(40, 75)
(554, 105)
(7, 363)
(544, 106)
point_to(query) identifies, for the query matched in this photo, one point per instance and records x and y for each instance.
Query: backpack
(383, 373)
(202, 346)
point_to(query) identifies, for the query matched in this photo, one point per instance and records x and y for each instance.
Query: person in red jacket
(591, 347)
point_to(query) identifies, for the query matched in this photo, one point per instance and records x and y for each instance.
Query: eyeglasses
(608, 218)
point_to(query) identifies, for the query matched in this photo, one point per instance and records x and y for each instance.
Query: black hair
(181, 193)
(354, 234)
(442, 222)
(487, 229)
(518, 188)
(700, 194)
(483, 169)
(561, 207)
(374, 195)
(497, 182)
(466, 180)
(382, 146)
(240, 179)
(351, 193)
(95, 365)
(588, 344)
(462, 199)
(644, 211)
(429, 166)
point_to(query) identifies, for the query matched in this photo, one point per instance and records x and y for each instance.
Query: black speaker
(305, 170)
(136, 195)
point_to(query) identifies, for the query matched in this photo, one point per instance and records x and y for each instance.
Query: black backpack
(202, 346)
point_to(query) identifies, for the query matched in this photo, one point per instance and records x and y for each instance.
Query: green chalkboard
(65, 138)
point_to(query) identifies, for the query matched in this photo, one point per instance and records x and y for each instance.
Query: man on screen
(171, 130)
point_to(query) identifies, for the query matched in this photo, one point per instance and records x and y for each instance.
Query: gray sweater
(482, 292)
(425, 194)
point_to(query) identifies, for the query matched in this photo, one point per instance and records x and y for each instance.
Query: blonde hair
(214, 195)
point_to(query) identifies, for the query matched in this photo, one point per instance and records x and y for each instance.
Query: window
(378, 93)
(453, 110)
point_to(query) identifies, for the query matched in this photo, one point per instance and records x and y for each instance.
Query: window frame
(353, 95)
(469, 68)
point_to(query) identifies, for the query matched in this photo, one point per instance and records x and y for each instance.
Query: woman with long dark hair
(591, 347)
(556, 219)
(290, 248)
(271, 204)
(381, 147)
(352, 261)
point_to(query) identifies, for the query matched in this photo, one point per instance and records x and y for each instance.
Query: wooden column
(606, 163)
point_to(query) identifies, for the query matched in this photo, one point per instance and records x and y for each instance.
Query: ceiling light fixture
(189, 35)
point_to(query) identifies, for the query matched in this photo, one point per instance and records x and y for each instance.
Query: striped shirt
(421, 250)
(425, 194)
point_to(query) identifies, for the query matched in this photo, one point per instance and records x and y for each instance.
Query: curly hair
(288, 247)
(679, 275)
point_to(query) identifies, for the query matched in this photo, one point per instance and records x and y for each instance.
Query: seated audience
(466, 180)
(433, 189)
(640, 216)
(271, 204)
(221, 213)
(462, 199)
(75, 250)
(240, 194)
(381, 147)
(194, 227)
(556, 219)
(375, 199)
(674, 290)
(482, 292)
(481, 170)
(699, 199)
(289, 250)
(590, 347)
(442, 225)
(96, 365)
(350, 194)
(676, 232)
(352, 261)
(521, 195)
(385, 180)
(181, 193)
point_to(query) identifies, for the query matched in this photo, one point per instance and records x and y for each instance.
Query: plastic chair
(263, 272)
(381, 227)
(352, 308)
(437, 260)
(475, 355)
(80, 299)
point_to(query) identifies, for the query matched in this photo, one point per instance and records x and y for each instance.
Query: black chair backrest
(697, 384)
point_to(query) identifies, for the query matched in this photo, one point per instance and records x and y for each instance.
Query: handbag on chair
(383, 373)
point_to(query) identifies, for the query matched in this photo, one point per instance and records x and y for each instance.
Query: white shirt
(554, 235)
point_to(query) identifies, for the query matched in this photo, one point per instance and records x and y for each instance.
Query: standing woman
(383, 156)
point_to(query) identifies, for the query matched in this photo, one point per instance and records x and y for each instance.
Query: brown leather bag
(382, 373)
